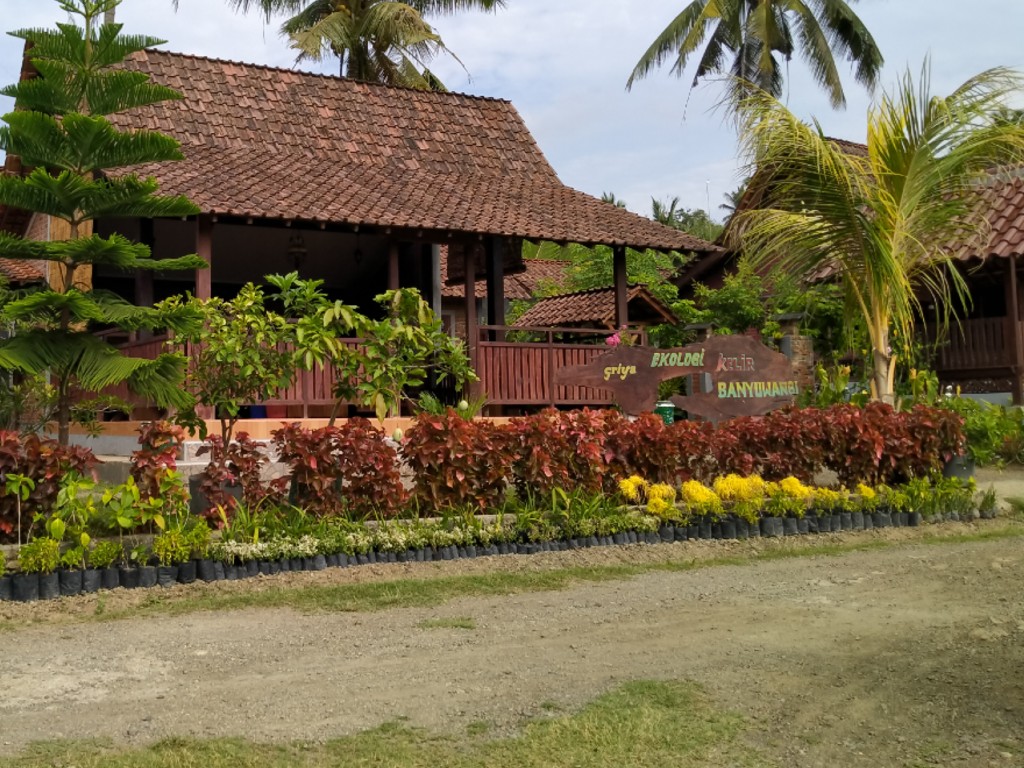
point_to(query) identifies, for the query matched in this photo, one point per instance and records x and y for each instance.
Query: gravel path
(906, 656)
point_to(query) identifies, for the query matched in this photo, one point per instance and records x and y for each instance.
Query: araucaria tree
(753, 41)
(80, 170)
(890, 223)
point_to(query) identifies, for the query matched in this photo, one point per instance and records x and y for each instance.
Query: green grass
(455, 622)
(431, 592)
(640, 724)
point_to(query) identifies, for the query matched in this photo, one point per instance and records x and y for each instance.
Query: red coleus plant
(457, 462)
(45, 462)
(348, 469)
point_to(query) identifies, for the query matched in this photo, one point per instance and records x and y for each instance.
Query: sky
(564, 65)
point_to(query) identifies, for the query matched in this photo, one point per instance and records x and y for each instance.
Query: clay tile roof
(1004, 199)
(519, 286)
(274, 143)
(594, 307)
(20, 271)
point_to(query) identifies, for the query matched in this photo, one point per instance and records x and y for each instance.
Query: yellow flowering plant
(661, 501)
(745, 495)
(634, 489)
(829, 500)
(869, 499)
(700, 500)
(794, 488)
(782, 504)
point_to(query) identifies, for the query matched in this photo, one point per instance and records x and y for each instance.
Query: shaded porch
(986, 347)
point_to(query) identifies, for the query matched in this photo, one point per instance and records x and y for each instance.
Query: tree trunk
(883, 368)
(108, 16)
(63, 415)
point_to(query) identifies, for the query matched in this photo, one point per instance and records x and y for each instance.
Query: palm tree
(887, 224)
(382, 41)
(734, 198)
(747, 38)
(694, 221)
(609, 197)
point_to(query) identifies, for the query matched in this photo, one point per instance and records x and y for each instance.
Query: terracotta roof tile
(595, 307)
(1005, 201)
(20, 271)
(281, 144)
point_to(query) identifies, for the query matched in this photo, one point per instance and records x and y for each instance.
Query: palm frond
(817, 48)
(680, 38)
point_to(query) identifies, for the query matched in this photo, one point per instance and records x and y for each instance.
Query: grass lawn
(640, 724)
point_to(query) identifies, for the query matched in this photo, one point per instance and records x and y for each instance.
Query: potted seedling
(21, 487)
(130, 512)
(38, 561)
(104, 559)
(6, 587)
(172, 548)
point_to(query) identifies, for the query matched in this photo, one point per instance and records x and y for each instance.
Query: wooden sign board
(738, 376)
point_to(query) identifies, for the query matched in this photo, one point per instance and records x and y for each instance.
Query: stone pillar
(799, 349)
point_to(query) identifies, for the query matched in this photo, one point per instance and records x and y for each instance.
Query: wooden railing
(522, 373)
(974, 345)
(308, 389)
(512, 373)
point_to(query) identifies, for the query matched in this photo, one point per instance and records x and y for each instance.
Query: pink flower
(614, 340)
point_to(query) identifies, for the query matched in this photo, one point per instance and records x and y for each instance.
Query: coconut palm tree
(380, 41)
(694, 221)
(888, 224)
(753, 39)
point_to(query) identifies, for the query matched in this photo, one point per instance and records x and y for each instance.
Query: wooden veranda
(514, 375)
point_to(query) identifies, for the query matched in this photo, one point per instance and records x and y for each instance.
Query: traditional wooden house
(359, 185)
(982, 352)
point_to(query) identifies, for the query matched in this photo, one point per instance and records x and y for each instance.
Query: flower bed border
(208, 571)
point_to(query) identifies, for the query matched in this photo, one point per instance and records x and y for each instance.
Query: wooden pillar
(144, 294)
(144, 277)
(435, 278)
(496, 285)
(204, 249)
(621, 286)
(1013, 334)
(393, 271)
(472, 329)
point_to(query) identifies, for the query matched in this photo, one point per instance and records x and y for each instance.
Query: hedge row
(458, 463)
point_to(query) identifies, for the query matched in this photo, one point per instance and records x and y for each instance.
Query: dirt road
(910, 656)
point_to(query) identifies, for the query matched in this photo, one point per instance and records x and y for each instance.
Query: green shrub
(172, 547)
(105, 554)
(40, 556)
(995, 434)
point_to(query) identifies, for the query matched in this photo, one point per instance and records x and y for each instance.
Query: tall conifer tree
(80, 170)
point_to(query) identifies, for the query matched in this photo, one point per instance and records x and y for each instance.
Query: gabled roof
(522, 285)
(595, 308)
(279, 144)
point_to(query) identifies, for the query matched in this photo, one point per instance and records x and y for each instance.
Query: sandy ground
(910, 656)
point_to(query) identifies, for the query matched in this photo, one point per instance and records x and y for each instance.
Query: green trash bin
(666, 410)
